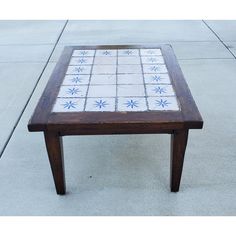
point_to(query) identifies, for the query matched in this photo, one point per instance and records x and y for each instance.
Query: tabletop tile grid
(121, 80)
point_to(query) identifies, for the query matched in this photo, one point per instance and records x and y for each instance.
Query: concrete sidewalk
(130, 173)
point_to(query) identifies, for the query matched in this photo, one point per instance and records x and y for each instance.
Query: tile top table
(116, 89)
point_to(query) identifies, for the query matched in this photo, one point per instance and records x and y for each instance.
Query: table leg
(55, 154)
(178, 145)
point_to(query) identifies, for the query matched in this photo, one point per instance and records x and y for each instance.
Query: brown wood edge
(190, 112)
(60, 127)
(39, 118)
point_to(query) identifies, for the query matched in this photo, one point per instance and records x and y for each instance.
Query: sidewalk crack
(31, 94)
(219, 38)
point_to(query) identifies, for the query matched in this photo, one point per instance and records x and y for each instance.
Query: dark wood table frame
(56, 125)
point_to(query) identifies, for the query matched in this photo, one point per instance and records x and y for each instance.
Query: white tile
(132, 104)
(76, 80)
(104, 69)
(105, 60)
(76, 70)
(162, 103)
(150, 69)
(107, 53)
(129, 60)
(103, 79)
(73, 91)
(159, 90)
(130, 90)
(157, 79)
(128, 52)
(102, 91)
(81, 61)
(100, 104)
(150, 52)
(83, 53)
(129, 69)
(129, 79)
(153, 60)
(69, 105)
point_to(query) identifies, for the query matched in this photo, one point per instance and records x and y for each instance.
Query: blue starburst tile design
(150, 52)
(69, 105)
(132, 104)
(128, 52)
(106, 53)
(73, 91)
(159, 90)
(76, 80)
(157, 79)
(163, 103)
(155, 68)
(153, 60)
(81, 61)
(77, 70)
(100, 104)
(83, 53)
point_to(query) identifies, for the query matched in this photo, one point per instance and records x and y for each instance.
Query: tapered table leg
(178, 145)
(55, 154)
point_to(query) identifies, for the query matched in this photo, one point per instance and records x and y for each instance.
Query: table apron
(126, 128)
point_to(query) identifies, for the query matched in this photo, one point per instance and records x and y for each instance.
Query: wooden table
(118, 89)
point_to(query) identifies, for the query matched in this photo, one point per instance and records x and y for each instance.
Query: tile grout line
(55, 60)
(144, 82)
(116, 98)
(34, 88)
(89, 82)
(218, 38)
(180, 59)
